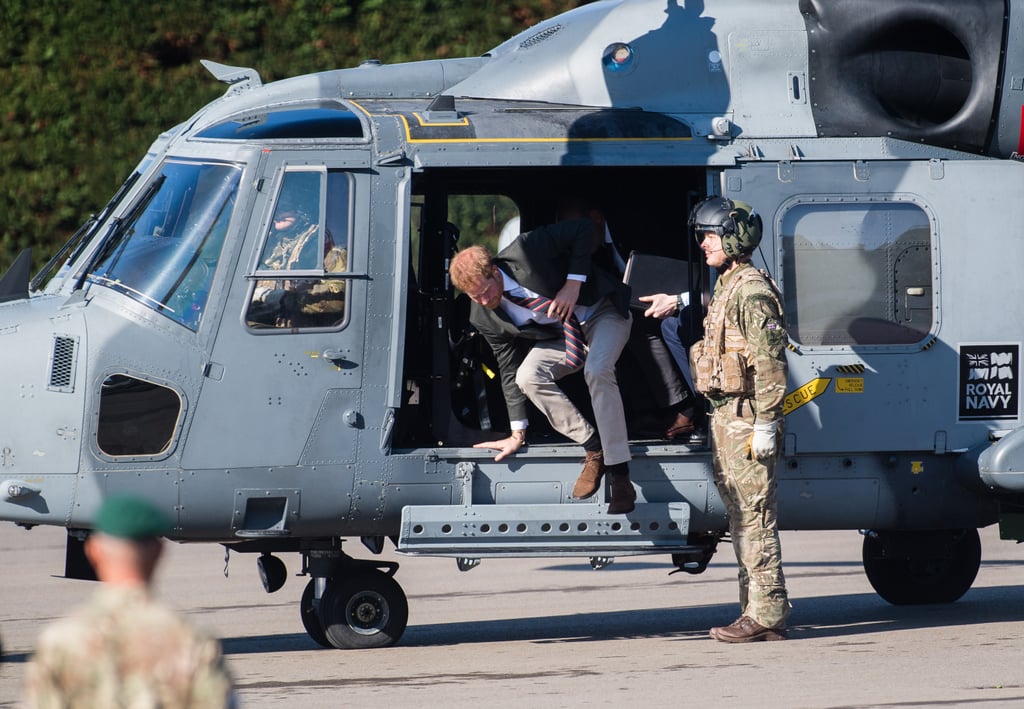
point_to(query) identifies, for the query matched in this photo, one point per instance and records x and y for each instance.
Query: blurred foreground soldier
(740, 366)
(124, 649)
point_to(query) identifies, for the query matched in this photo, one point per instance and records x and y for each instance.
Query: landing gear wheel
(908, 568)
(367, 610)
(310, 618)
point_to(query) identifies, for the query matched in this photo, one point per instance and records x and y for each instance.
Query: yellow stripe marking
(463, 122)
(426, 141)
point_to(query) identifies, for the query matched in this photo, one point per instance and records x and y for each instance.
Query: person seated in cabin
(649, 359)
(677, 316)
(301, 301)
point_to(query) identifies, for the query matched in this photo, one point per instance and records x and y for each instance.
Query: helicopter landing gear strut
(352, 603)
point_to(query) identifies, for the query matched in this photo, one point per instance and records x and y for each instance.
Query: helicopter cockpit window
(300, 278)
(164, 251)
(857, 273)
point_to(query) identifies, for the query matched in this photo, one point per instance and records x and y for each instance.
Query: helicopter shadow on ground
(816, 617)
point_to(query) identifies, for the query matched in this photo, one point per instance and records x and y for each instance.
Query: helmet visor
(701, 231)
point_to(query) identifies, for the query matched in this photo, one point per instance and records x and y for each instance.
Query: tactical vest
(719, 362)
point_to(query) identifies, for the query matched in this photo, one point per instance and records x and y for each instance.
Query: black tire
(310, 618)
(366, 610)
(908, 568)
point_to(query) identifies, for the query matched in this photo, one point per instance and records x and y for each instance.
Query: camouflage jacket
(744, 350)
(124, 649)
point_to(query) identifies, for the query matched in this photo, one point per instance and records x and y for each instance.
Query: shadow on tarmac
(841, 616)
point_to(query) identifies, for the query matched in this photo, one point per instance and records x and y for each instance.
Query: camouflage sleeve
(55, 662)
(763, 328)
(41, 689)
(326, 295)
(211, 686)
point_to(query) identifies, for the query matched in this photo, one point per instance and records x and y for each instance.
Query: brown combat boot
(623, 496)
(590, 479)
(747, 630)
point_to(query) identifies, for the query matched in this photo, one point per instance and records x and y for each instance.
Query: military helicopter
(257, 332)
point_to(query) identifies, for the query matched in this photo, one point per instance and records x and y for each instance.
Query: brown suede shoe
(747, 630)
(679, 427)
(590, 479)
(623, 495)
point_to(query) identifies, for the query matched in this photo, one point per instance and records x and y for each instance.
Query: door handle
(337, 358)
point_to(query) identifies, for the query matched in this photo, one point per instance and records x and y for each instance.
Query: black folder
(647, 274)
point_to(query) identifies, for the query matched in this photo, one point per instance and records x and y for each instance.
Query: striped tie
(574, 343)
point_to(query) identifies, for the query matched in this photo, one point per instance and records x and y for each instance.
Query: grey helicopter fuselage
(154, 354)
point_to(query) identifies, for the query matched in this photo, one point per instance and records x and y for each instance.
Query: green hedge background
(87, 85)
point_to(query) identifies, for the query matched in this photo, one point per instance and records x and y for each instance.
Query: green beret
(131, 517)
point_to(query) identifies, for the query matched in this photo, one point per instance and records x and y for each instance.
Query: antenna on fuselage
(241, 78)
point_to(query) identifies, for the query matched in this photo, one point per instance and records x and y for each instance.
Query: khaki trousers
(606, 333)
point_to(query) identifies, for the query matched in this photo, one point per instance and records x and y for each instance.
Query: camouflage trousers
(747, 487)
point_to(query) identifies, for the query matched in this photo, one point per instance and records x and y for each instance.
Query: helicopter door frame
(310, 374)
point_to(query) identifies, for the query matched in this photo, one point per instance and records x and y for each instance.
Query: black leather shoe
(623, 495)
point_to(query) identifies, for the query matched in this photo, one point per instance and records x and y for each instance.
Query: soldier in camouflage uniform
(740, 366)
(124, 649)
(299, 302)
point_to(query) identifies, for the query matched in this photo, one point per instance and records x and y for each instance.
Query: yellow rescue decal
(917, 467)
(850, 385)
(805, 394)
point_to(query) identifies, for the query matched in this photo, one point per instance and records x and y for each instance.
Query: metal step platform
(479, 531)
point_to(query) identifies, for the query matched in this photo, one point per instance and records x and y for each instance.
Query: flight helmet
(736, 222)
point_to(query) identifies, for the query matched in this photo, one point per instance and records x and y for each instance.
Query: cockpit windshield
(164, 251)
(52, 275)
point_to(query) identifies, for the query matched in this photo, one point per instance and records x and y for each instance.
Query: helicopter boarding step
(476, 531)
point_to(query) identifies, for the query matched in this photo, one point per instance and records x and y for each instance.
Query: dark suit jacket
(540, 260)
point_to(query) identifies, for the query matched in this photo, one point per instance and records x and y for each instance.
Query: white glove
(762, 442)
